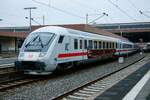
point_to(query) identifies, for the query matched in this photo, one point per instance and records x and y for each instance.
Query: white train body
(48, 48)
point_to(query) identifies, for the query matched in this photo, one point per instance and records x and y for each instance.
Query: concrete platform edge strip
(137, 88)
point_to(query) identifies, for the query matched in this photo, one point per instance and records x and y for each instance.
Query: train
(146, 47)
(53, 48)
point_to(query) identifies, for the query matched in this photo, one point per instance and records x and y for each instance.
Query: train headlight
(42, 54)
(21, 55)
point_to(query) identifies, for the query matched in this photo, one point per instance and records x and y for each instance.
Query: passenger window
(113, 45)
(103, 45)
(116, 45)
(75, 44)
(90, 44)
(120, 46)
(80, 44)
(107, 45)
(100, 44)
(61, 39)
(85, 44)
(110, 45)
(95, 44)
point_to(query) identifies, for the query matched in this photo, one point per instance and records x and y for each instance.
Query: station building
(11, 38)
(133, 31)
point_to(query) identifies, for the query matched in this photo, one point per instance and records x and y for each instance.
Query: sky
(13, 14)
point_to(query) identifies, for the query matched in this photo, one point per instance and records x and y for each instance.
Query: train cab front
(29, 64)
(33, 54)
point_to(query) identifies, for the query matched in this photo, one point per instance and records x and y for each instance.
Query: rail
(7, 68)
(16, 82)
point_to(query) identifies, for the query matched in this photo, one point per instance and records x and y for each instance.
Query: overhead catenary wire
(143, 13)
(82, 4)
(35, 21)
(139, 11)
(58, 9)
(124, 12)
(135, 8)
(133, 5)
(104, 14)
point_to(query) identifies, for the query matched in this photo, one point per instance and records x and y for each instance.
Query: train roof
(76, 33)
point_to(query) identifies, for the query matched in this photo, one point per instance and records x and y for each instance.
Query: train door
(63, 48)
(66, 45)
(81, 47)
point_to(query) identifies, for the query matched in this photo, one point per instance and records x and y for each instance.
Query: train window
(95, 44)
(107, 45)
(113, 45)
(85, 44)
(100, 44)
(103, 45)
(120, 46)
(110, 44)
(61, 39)
(90, 44)
(124, 46)
(81, 44)
(116, 45)
(75, 44)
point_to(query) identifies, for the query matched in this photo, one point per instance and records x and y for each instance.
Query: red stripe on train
(65, 55)
(72, 54)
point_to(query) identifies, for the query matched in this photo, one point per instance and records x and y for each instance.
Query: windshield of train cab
(38, 41)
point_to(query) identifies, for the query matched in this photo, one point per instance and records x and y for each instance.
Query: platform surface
(121, 89)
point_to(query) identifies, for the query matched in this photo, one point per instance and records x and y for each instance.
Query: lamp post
(30, 8)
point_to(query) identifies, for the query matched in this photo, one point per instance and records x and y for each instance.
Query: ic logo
(30, 56)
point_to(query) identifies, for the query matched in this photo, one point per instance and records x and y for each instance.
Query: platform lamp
(30, 8)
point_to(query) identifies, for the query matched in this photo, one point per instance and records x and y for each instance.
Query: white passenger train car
(49, 48)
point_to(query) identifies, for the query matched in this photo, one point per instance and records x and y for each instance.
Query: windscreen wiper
(32, 40)
(41, 42)
(35, 38)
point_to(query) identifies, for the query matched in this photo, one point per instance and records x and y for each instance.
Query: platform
(134, 87)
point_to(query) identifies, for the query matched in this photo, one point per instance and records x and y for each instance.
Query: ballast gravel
(47, 89)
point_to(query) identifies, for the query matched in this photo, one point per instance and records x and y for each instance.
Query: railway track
(93, 88)
(6, 69)
(10, 77)
(84, 90)
(18, 81)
